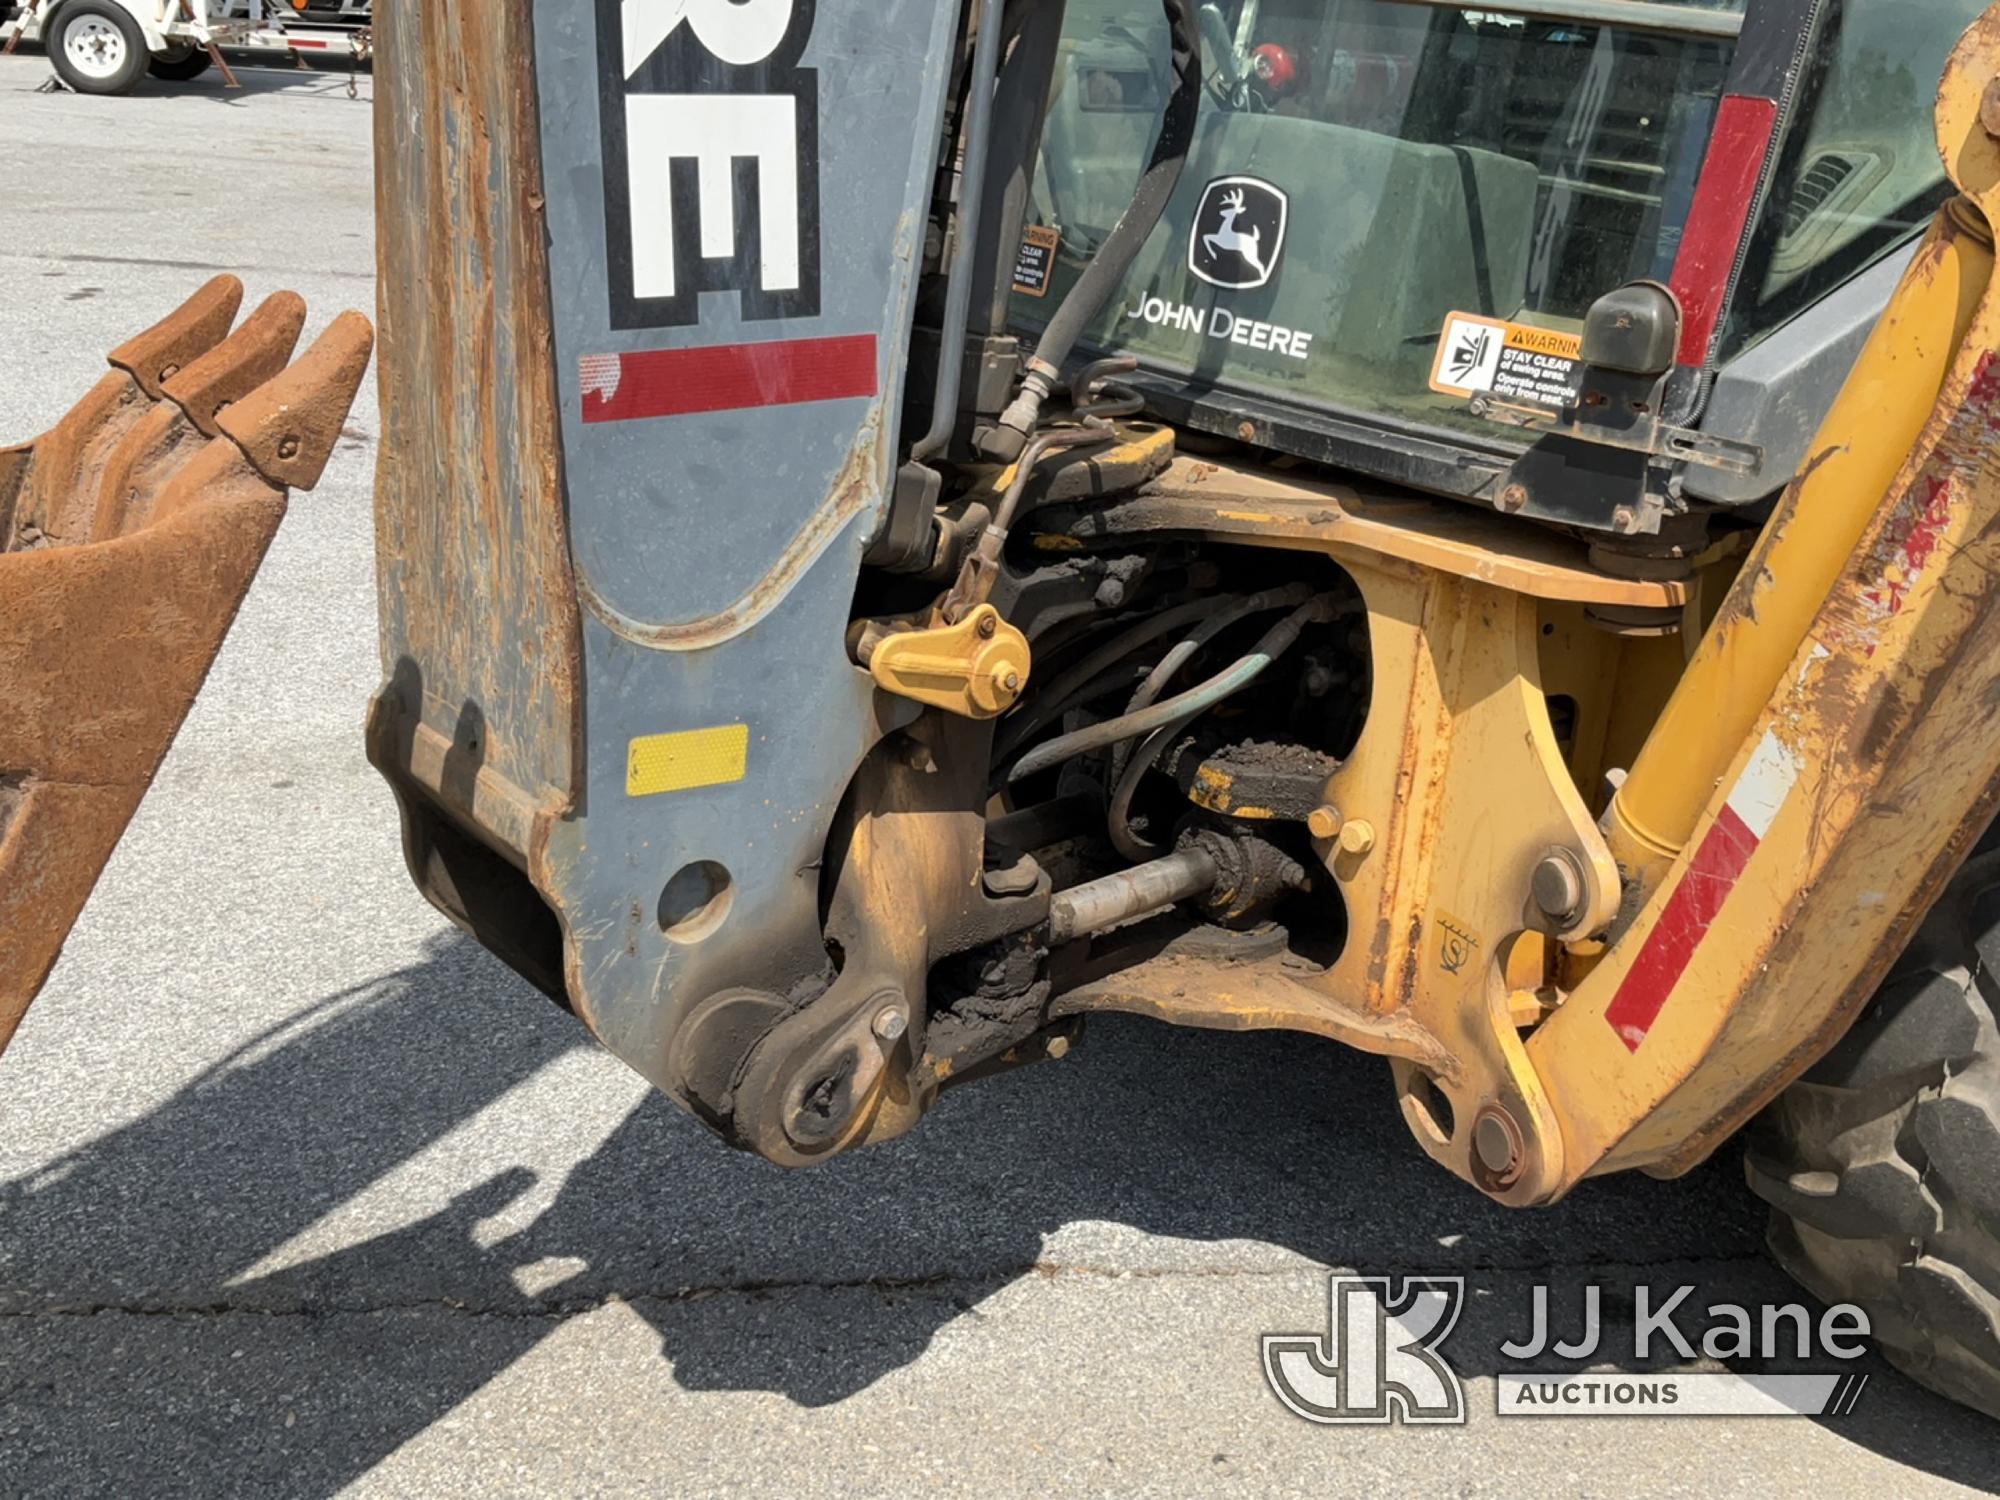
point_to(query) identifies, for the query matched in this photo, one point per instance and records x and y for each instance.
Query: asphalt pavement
(300, 1191)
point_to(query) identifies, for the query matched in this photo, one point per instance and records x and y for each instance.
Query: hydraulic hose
(1057, 697)
(1126, 777)
(971, 197)
(1121, 247)
(1029, 828)
(1024, 468)
(1119, 818)
(1246, 670)
(1255, 604)
(982, 565)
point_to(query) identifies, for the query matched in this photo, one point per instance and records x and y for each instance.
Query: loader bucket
(129, 533)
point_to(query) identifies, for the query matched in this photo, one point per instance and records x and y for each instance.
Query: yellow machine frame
(1803, 782)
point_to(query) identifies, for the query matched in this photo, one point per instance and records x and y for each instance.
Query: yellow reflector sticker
(679, 762)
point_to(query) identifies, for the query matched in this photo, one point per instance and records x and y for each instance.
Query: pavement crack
(943, 1284)
(237, 267)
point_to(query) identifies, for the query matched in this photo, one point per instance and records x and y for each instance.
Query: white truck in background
(108, 46)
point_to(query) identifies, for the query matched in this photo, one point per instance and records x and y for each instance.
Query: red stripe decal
(1721, 209)
(302, 42)
(1669, 947)
(726, 377)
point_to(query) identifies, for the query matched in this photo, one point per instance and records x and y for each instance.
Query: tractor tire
(1882, 1164)
(96, 47)
(178, 67)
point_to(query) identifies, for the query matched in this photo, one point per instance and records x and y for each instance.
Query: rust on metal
(479, 711)
(49, 488)
(255, 352)
(1889, 720)
(1226, 502)
(127, 541)
(856, 484)
(898, 902)
(154, 357)
(172, 429)
(1227, 994)
(286, 429)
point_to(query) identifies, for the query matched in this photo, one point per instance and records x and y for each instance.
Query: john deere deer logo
(1229, 237)
(1238, 233)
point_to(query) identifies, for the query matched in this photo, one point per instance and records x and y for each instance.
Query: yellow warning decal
(1484, 356)
(657, 763)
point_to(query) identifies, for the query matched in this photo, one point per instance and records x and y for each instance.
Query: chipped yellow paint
(1214, 789)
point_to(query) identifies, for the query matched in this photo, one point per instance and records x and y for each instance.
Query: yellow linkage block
(976, 668)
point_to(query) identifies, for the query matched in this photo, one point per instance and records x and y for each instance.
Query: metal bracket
(1646, 433)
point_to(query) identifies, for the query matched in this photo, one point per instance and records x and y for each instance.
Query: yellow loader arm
(129, 533)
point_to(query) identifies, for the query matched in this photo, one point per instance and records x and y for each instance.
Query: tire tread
(1882, 1165)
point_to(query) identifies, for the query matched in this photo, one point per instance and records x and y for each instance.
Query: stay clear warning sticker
(1036, 259)
(1486, 357)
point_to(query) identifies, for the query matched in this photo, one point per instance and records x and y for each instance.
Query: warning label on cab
(1483, 356)
(1036, 258)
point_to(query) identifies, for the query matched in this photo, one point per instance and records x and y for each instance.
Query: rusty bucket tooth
(183, 453)
(154, 357)
(259, 348)
(287, 427)
(49, 486)
(150, 455)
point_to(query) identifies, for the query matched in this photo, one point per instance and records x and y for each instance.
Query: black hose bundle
(1121, 247)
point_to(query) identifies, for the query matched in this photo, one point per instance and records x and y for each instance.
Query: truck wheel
(181, 64)
(97, 47)
(1882, 1164)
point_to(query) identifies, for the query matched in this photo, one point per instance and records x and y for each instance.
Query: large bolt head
(890, 1023)
(1558, 886)
(1496, 1142)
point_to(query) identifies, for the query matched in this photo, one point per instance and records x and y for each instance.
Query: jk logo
(1378, 1361)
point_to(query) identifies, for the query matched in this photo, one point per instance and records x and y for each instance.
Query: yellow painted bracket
(976, 668)
(1871, 762)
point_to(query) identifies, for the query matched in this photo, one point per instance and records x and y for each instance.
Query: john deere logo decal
(710, 131)
(1239, 233)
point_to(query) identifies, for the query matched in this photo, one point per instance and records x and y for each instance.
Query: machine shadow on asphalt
(1182, 1135)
